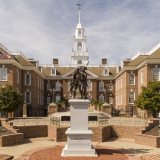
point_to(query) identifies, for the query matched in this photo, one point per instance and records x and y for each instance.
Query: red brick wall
(100, 134)
(125, 131)
(148, 140)
(11, 139)
(33, 131)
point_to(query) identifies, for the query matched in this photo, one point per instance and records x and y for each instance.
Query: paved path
(120, 143)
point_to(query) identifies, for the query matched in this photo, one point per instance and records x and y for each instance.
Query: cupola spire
(79, 7)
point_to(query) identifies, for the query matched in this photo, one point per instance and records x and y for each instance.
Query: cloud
(44, 30)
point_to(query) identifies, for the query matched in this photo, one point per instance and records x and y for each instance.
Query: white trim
(134, 98)
(159, 73)
(54, 71)
(58, 88)
(110, 84)
(29, 78)
(129, 80)
(26, 97)
(5, 75)
(99, 86)
(88, 85)
(107, 71)
(141, 76)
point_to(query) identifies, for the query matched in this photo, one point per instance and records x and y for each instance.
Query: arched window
(79, 46)
(79, 33)
(79, 62)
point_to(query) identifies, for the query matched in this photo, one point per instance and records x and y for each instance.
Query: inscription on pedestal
(79, 141)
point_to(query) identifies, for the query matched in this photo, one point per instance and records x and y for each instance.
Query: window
(89, 86)
(106, 71)
(48, 100)
(131, 97)
(48, 86)
(110, 86)
(17, 78)
(28, 79)
(101, 86)
(116, 100)
(79, 46)
(110, 100)
(121, 82)
(101, 98)
(156, 73)
(141, 76)
(58, 86)
(89, 97)
(3, 74)
(79, 33)
(121, 98)
(68, 85)
(53, 71)
(40, 99)
(79, 62)
(118, 84)
(131, 79)
(58, 98)
(28, 97)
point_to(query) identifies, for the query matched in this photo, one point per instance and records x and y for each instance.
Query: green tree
(149, 98)
(9, 99)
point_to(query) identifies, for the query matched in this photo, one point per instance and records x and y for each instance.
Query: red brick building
(34, 81)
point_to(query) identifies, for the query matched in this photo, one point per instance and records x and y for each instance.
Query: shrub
(95, 102)
(100, 104)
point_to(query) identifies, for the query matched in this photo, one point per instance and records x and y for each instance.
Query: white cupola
(79, 53)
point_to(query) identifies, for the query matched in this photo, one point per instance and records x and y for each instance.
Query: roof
(22, 61)
(154, 55)
(62, 71)
(136, 61)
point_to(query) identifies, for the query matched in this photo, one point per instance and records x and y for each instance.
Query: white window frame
(121, 98)
(110, 86)
(90, 85)
(129, 97)
(100, 86)
(158, 72)
(116, 85)
(116, 99)
(59, 98)
(52, 72)
(48, 100)
(1, 74)
(129, 80)
(17, 78)
(40, 83)
(29, 78)
(106, 69)
(102, 98)
(69, 86)
(26, 97)
(48, 86)
(142, 76)
(110, 100)
(121, 82)
(58, 88)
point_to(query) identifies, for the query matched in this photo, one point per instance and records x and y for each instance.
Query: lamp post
(52, 91)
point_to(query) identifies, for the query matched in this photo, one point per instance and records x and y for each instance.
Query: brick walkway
(151, 157)
(54, 153)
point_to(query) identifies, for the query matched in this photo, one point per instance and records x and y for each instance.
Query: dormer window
(106, 71)
(79, 46)
(53, 71)
(79, 33)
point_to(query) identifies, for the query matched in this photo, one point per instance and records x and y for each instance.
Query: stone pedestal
(24, 110)
(79, 135)
(52, 108)
(106, 108)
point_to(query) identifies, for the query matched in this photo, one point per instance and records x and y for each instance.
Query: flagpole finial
(79, 7)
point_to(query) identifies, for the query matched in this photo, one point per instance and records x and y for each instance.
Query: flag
(4, 56)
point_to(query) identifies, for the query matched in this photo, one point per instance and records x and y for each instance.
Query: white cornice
(11, 61)
(125, 69)
(148, 61)
(67, 74)
(105, 78)
(52, 78)
(92, 74)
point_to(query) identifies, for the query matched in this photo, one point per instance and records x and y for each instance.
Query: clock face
(79, 62)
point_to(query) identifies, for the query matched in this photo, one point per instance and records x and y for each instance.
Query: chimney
(104, 61)
(55, 61)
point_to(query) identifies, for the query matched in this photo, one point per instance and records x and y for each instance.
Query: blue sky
(115, 29)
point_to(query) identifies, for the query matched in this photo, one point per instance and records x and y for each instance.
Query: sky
(115, 29)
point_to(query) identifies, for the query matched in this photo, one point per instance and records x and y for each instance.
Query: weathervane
(79, 7)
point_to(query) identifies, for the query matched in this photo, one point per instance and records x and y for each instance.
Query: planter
(99, 108)
(95, 106)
